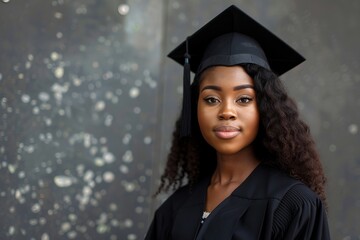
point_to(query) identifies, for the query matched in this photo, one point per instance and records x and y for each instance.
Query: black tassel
(186, 107)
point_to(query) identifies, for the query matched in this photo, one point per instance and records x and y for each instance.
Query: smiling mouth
(226, 132)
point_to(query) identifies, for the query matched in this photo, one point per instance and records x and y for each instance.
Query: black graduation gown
(267, 205)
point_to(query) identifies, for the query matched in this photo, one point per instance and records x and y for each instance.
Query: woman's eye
(244, 100)
(211, 100)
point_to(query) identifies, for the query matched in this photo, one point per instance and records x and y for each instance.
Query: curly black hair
(283, 140)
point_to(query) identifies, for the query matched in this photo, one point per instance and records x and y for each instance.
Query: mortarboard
(231, 38)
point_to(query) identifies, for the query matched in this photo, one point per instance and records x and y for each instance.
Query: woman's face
(227, 110)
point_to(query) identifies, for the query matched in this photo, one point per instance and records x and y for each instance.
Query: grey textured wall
(88, 101)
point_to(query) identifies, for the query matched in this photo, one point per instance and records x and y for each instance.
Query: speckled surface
(88, 101)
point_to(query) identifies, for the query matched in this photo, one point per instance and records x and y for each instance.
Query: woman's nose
(227, 112)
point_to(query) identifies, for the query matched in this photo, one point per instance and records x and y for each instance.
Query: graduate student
(248, 162)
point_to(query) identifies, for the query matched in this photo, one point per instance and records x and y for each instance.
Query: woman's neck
(234, 168)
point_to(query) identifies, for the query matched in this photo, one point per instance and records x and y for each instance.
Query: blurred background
(88, 101)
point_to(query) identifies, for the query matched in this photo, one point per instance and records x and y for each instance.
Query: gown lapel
(220, 223)
(222, 220)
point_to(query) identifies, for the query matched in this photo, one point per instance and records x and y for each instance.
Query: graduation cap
(231, 38)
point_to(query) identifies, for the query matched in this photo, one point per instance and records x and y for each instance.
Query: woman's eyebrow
(243, 86)
(236, 88)
(213, 87)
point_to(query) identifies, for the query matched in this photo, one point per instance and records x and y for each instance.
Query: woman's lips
(226, 132)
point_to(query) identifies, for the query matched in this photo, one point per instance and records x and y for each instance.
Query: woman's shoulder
(182, 195)
(299, 197)
(268, 182)
(289, 195)
(179, 195)
(285, 187)
(271, 184)
(174, 199)
(164, 217)
(300, 212)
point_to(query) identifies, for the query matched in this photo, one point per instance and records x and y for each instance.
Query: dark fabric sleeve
(300, 215)
(159, 228)
(161, 224)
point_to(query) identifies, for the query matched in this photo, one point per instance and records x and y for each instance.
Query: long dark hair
(283, 140)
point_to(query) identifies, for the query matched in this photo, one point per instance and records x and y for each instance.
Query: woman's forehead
(225, 76)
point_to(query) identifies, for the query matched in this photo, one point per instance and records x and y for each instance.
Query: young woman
(251, 166)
